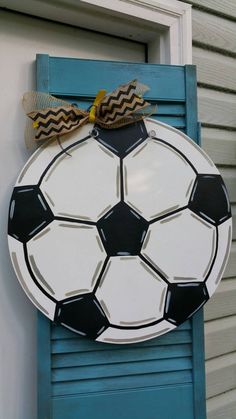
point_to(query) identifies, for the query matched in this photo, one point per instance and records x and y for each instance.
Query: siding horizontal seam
(217, 88)
(225, 166)
(220, 356)
(222, 394)
(214, 49)
(223, 127)
(210, 11)
(220, 318)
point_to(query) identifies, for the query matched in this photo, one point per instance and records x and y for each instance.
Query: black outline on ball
(95, 224)
(33, 276)
(60, 154)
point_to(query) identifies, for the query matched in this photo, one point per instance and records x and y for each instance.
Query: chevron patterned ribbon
(51, 116)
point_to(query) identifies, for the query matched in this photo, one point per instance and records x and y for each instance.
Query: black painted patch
(28, 213)
(183, 300)
(122, 141)
(82, 314)
(122, 231)
(209, 199)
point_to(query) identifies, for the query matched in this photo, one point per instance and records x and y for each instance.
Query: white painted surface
(165, 26)
(31, 173)
(185, 145)
(160, 185)
(182, 246)
(131, 293)
(123, 336)
(66, 259)
(40, 300)
(75, 190)
(21, 38)
(83, 186)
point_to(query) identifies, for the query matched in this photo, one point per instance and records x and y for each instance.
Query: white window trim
(165, 25)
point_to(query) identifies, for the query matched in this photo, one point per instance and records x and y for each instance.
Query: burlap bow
(53, 117)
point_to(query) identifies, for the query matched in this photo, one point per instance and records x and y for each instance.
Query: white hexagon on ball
(181, 246)
(130, 293)
(157, 179)
(38, 298)
(74, 189)
(124, 336)
(66, 258)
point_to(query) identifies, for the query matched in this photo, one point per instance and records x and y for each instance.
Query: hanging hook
(64, 151)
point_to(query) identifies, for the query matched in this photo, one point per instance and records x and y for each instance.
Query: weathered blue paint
(191, 102)
(133, 404)
(198, 362)
(44, 367)
(64, 78)
(158, 379)
(43, 326)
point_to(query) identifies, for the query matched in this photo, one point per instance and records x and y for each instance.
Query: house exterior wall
(214, 53)
(21, 38)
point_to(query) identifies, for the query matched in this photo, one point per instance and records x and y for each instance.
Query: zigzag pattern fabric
(53, 117)
(56, 121)
(122, 102)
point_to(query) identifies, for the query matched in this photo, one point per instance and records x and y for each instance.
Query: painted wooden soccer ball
(124, 238)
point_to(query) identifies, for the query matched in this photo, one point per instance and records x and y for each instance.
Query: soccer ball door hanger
(124, 233)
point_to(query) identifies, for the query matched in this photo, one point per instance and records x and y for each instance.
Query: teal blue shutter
(159, 379)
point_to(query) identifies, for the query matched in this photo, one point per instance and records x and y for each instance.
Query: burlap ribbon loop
(54, 117)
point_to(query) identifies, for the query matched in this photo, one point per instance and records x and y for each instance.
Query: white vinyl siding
(214, 53)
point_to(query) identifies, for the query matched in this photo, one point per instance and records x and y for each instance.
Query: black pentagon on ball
(209, 199)
(82, 314)
(28, 213)
(122, 141)
(183, 300)
(122, 231)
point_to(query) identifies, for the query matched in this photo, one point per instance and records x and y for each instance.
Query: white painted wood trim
(165, 26)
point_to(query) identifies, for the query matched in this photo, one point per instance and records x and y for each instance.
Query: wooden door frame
(165, 26)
